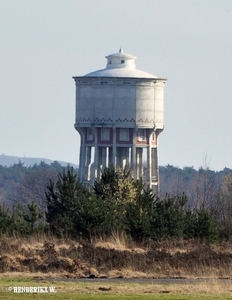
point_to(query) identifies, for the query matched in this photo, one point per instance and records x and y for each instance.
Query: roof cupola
(120, 60)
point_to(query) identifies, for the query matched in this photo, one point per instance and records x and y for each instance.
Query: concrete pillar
(96, 154)
(133, 153)
(149, 160)
(82, 156)
(114, 147)
(154, 171)
(107, 157)
(88, 162)
(139, 162)
(129, 158)
(148, 166)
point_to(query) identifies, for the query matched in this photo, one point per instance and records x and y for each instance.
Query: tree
(63, 203)
(6, 221)
(115, 183)
(224, 207)
(169, 217)
(32, 216)
(140, 213)
(117, 189)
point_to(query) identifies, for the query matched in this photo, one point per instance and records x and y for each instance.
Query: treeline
(174, 180)
(118, 202)
(20, 184)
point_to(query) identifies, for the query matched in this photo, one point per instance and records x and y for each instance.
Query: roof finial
(120, 50)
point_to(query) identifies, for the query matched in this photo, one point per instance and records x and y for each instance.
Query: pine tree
(32, 216)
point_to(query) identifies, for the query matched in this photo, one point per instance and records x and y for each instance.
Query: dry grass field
(36, 261)
(115, 257)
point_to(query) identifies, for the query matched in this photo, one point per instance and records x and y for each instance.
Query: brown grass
(114, 257)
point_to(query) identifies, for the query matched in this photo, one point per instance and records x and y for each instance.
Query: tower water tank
(119, 115)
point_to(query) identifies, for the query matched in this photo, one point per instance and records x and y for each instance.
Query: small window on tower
(110, 62)
(142, 135)
(124, 134)
(105, 134)
(89, 134)
(122, 61)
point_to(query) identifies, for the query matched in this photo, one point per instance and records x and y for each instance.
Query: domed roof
(120, 65)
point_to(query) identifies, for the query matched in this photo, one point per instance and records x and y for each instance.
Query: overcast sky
(44, 43)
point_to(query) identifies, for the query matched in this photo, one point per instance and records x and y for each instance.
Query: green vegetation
(73, 210)
(117, 202)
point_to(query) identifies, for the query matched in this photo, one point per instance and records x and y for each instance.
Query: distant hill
(7, 161)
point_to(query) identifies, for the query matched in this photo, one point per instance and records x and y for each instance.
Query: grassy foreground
(94, 290)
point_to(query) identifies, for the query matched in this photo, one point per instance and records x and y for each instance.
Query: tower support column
(88, 162)
(154, 171)
(133, 154)
(114, 149)
(148, 166)
(96, 154)
(139, 162)
(82, 156)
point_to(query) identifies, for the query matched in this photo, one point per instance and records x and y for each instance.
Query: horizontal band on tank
(83, 79)
(153, 126)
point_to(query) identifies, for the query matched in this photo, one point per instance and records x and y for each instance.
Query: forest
(48, 198)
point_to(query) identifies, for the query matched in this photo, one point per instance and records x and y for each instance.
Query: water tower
(119, 116)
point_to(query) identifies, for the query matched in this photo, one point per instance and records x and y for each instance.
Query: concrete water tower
(119, 115)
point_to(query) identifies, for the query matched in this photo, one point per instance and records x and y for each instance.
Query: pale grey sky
(44, 43)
